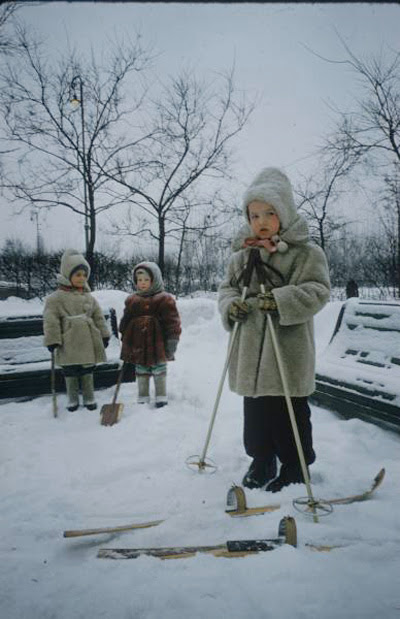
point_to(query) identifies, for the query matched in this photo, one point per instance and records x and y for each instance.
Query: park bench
(25, 361)
(358, 375)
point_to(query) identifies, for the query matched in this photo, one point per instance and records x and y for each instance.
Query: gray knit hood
(157, 283)
(71, 260)
(273, 187)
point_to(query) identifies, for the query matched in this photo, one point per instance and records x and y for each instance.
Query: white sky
(266, 42)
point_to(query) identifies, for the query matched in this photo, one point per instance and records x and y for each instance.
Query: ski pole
(53, 385)
(312, 502)
(246, 282)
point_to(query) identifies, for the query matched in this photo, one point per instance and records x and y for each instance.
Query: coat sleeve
(52, 323)
(228, 291)
(99, 320)
(170, 319)
(126, 316)
(309, 290)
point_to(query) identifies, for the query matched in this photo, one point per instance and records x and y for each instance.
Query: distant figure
(351, 289)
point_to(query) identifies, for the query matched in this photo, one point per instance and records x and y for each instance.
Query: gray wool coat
(299, 281)
(73, 319)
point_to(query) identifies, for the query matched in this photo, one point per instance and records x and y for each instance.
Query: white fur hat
(70, 261)
(273, 187)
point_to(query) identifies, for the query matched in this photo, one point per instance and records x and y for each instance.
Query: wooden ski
(127, 527)
(356, 498)
(287, 534)
(236, 499)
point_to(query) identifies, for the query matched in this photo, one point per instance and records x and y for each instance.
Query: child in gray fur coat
(75, 328)
(297, 287)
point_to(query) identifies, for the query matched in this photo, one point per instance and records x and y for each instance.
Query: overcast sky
(269, 45)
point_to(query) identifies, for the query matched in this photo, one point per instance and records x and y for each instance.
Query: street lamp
(77, 101)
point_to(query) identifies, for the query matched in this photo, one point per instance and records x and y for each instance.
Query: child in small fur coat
(297, 287)
(75, 328)
(150, 329)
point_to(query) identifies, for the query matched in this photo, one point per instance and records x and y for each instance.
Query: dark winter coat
(150, 320)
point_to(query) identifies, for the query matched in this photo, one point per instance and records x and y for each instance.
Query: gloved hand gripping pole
(194, 461)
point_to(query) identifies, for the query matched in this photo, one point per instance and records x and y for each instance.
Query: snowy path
(74, 473)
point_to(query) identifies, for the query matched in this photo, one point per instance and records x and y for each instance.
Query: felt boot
(72, 385)
(88, 391)
(288, 474)
(260, 472)
(143, 389)
(160, 383)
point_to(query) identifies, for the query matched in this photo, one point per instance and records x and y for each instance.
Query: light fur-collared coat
(74, 319)
(299, 281)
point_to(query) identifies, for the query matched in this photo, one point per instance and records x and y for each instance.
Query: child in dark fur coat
(150, 329)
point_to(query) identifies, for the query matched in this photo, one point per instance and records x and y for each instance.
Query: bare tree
(320, 192)
(64, 156)
(390, 223)
(373, 127)
(7, 11)
(192, 125)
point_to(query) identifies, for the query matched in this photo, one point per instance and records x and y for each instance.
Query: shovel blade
(111, 413)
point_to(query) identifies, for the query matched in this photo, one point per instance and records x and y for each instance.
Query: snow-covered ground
(71, 473)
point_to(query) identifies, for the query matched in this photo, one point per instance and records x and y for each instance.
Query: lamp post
(77, 101)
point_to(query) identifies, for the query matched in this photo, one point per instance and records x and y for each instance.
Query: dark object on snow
(260, 472)
(288, 474)
(25, 361)
(351, 289)
(359, 373)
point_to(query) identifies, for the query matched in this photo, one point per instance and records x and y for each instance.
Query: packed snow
(72, 473)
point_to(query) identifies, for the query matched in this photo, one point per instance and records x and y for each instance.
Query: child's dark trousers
(268, 431)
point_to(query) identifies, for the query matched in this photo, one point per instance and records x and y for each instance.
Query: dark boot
(260, 472)
(288, 474)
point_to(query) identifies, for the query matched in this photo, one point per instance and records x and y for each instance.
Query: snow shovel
(53, 385)
(196, 462)
(111, 413)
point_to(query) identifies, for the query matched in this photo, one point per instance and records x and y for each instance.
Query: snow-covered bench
(358, 374)
(25, 361)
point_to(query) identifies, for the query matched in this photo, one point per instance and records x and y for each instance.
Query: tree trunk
(161, 243)
(91, 223)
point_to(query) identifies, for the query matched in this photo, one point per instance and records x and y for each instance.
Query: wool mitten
(170, 349)
(52, 347)
(266, 302)
(238, 311)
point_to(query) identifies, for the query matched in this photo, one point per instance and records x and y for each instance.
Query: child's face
(143, 281)
(263, 219)
(79, 278)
